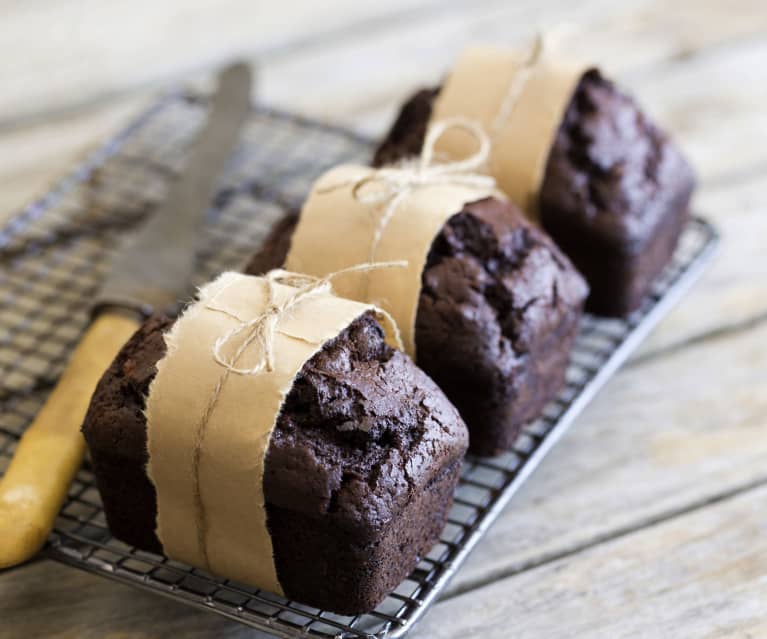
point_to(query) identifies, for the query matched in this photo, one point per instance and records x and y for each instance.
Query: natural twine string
(260, 330)
(388, 187)
(517, 85)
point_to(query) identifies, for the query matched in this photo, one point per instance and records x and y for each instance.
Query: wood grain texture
(657, 440)
(733, 291)
(624, 37)
(715, 104)
(78, 51)
(699, 576)
(47, 600)
(32, 158)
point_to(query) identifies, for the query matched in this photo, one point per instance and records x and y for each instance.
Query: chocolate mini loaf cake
(497, 316)
(358, 477)
(615, 190)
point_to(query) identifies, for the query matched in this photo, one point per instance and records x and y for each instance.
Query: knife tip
(238, 72)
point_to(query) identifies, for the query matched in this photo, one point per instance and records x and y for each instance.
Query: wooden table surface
(649, 518)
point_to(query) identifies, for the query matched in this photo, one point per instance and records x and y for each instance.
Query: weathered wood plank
(733, 291)
(394, 62)
(147, 44)
(42, 155)
(701, 575)
(715, 103)
(52, 601)
(103, 48)
(634, 34)
(33, 158)
(637, 33)
(661, 437)
(622, 36)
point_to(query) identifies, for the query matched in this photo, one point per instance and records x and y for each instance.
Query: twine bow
(389, 187)
(261, 329)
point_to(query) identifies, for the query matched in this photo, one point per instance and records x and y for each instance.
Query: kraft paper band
(211, 410)
(520, 99)
(338, 226)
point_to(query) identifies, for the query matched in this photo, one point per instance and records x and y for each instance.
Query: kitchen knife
(151, 270)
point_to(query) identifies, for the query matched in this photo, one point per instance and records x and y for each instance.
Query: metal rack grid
(52, 257)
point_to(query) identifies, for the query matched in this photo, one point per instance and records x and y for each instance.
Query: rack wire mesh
(52, 258)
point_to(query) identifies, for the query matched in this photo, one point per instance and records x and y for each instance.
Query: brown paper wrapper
(476, 89)
(219, 522)
(336, 231)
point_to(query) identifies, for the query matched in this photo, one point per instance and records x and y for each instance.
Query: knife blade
(153, 267)
(151, 270)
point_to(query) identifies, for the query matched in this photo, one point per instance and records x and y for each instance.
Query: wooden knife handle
(51, 450)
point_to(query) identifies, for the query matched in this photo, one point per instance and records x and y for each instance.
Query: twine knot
(390, 186)
(261, 329)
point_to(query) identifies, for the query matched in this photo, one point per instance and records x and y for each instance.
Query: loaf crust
(497, 316)
(615, 192)
(359, 473)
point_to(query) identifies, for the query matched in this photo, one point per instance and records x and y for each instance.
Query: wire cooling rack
(53, 255)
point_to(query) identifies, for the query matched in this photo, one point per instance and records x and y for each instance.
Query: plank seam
(616, 534)
(304, 43)
(712, 335)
